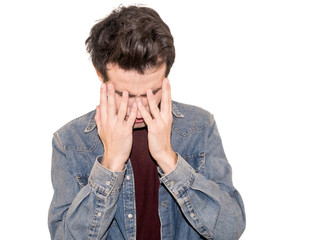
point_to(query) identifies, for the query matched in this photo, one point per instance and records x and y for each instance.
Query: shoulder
(189, 118)
(78, 134)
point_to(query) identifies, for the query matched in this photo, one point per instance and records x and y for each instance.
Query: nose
(136, 100)
(139, 99)
(139, 114)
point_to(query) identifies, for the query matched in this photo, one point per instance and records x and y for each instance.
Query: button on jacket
(197, 199)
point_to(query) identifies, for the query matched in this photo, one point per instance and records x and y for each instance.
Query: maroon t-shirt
(146, 187)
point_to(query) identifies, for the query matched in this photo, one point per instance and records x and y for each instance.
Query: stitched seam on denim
(64, 151)
(180, 190)
(56, 135)
(72, 148)
(203, 160)
(90, 126)
(99, 190)
(80, 177)
(94, 226)
(197, 128)
(75, 119)
(176, 112)
(191, 130)
(199, 221)
(96, 141)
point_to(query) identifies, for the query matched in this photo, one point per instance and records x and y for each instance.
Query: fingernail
(109, 86)
(102, 85)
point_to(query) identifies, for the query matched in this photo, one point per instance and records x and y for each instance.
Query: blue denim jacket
(197, 199)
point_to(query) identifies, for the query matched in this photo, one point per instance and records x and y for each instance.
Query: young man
(140, 166)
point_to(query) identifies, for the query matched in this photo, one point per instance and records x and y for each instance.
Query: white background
(254, 64)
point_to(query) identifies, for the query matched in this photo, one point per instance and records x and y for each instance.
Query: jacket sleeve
(208, 199)
(86, 213)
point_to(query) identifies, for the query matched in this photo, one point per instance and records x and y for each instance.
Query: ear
(99, 74)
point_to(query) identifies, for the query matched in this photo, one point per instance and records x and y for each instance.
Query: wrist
(168, 162)
(112, 164)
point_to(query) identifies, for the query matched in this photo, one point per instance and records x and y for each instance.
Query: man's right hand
(115, 129)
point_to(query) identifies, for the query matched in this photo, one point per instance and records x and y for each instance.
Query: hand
(114, 129)
(159, 128)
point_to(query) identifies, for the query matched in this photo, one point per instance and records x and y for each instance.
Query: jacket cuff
(103, 180)
(180, 179)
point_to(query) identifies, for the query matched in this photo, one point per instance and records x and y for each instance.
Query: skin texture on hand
(114, 129)
(159, 128)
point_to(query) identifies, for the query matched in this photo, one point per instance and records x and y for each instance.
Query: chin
(139, 125)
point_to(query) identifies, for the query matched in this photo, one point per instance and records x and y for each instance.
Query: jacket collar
(176, 112)
(92, 123)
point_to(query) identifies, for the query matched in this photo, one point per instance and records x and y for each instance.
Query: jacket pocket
(82, 179)
(197, 161)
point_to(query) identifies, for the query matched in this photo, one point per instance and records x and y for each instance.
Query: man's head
(134, 38)
(133, 50)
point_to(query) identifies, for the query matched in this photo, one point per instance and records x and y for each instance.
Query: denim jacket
(197, 199)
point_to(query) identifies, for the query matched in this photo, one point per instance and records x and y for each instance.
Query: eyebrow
(133, 95)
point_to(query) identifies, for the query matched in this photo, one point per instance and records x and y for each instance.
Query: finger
(166, 105)
(111, 101)
(144, 113)
(123, 106)
(103, 102)
(153, 105)
(133, 115)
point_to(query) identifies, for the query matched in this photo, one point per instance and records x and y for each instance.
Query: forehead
(133, 81)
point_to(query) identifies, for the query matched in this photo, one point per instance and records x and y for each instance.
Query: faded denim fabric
(196, 201)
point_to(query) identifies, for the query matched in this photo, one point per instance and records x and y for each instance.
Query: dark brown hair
(134, 38)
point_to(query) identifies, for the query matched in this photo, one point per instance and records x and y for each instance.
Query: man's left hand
(159, 128)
